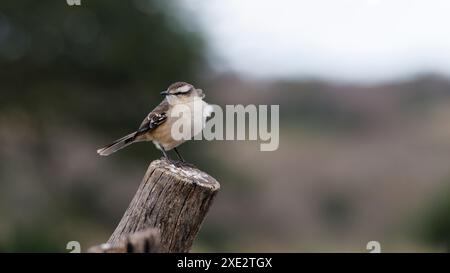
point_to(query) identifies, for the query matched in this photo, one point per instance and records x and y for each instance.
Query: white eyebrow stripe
(183, 88)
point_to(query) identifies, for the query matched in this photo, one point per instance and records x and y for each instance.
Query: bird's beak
(164, 93)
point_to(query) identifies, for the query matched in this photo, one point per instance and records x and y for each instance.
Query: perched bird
(157, 126)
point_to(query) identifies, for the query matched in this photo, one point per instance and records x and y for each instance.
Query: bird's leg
(183, 162)
(179, 155)
(164, 152)
(174, 162)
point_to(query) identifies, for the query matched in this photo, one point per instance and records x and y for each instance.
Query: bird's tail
(117, 145)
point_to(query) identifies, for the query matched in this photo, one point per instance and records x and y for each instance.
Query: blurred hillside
(355, 163)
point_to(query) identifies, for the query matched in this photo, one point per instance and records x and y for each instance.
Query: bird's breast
(187, 119)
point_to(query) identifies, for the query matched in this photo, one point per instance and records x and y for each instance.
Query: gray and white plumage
(156, 127)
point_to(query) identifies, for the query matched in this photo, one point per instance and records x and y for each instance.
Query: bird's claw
(184, 163)
(181, 164)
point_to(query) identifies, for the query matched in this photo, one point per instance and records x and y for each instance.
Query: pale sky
(347, 40)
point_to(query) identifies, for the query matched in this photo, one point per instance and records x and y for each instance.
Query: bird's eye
(180, 93)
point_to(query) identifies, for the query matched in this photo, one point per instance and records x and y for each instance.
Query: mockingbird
(157, 126)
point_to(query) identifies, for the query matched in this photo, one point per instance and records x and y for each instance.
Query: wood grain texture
(172, 199)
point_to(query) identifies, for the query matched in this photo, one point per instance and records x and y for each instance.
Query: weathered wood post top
(174, 199)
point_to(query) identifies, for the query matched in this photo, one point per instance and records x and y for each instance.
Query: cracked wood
(174, 200)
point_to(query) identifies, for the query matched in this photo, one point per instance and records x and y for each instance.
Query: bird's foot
(184, 163)
(174, 162)
(181, 164)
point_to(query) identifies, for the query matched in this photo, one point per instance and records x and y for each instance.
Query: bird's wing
(154, 118)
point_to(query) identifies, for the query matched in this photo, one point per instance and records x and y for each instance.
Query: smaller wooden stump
(146, 241)
(172, 199)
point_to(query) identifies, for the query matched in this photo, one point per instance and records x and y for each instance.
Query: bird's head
(182, 92)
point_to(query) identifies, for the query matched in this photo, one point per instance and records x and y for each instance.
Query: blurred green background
(356, 162)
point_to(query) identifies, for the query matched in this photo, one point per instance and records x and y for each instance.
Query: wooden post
(172, 199)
